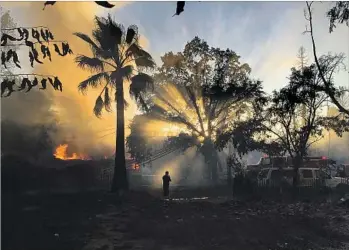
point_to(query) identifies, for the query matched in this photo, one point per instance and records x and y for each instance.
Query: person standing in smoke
(166, 179)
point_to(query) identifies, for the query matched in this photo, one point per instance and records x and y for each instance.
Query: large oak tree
(203, 91)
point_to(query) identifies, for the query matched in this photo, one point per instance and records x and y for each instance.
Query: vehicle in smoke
(343, 170)
(321, 162)
(308, 177)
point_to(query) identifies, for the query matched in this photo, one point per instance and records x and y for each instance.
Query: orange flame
(61, 153)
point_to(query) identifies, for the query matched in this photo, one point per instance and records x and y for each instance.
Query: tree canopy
(295, 117)
(117, 57)
(203, 91)
(339, 13)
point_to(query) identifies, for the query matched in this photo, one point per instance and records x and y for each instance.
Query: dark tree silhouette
(336, 60)
(338, 14)
(24, 138)
(39, 40)
(294, 117)
(203, 91)
(138, 145)
(117, 57)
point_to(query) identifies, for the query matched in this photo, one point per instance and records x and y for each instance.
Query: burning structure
(61, 153)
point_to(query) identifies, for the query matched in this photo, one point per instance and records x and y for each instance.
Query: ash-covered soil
(150, 223)
(97, 221)
(49, 222)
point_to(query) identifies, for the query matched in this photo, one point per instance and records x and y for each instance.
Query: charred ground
(143, 221)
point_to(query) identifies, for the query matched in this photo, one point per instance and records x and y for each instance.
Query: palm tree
(117, 58)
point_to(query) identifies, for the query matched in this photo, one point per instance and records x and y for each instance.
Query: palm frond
(102, 34)
(97, 110)
(108, 33)
(136, 51)
(132, 33)
(141, 83)
(144, 62)
(141, 57)
(107, 102)
(117, 31)
(93, 81)
(86, 38)
(92, 64)
(96, 50)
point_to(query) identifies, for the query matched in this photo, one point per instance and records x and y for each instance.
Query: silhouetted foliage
(338, 14)
(138, 145)
(33, 38)
(21, 134)
(248, 136)
(234, 162)
(111, 68)
(204, 90)
(37, 39)
(117, 57)
(294, 118)
(297, 127)
(329, 63)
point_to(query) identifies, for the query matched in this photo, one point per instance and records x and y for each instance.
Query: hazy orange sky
(267, 35)
(76, 118)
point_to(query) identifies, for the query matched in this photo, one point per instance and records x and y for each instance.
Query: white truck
(307, 177)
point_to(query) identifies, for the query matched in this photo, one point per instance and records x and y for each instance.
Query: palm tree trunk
(120, 181)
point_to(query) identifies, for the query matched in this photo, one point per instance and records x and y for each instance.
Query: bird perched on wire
(180, 8)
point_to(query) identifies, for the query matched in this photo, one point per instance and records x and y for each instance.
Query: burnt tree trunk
(120, 181)
(298, 160)
(211, 160)
(229, 177)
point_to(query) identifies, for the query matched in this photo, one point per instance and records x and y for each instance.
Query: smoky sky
(70, 111)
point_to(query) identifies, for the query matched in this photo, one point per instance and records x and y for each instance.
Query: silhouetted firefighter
(166, 179)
